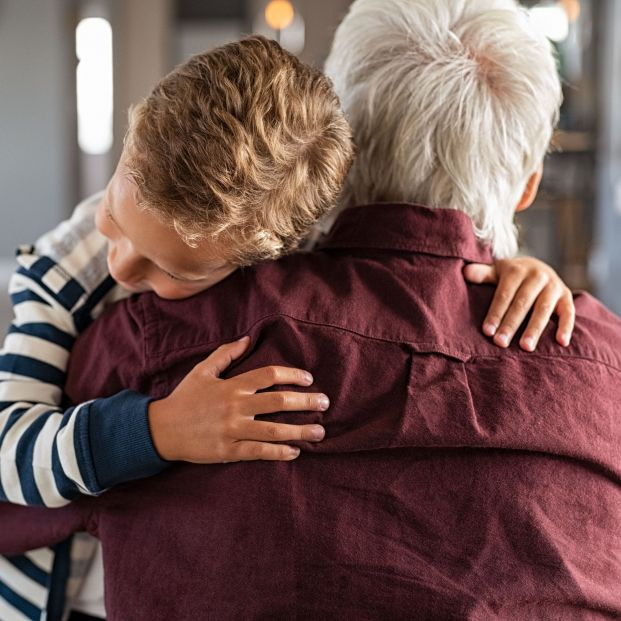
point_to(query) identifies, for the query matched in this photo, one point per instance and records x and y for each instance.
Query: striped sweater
(50, 454)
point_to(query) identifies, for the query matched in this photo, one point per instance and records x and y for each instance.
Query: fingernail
(324, 402)
(528, 343)
(503, 339)
(308, 378)
(243, 338)
(318, 433)
(293, 452)
(566, 339)
(489, 329)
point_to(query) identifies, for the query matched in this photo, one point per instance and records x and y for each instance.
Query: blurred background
(69, 69)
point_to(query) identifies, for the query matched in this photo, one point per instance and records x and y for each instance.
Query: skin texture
(227, 430)
(524, 284)
(146, 255)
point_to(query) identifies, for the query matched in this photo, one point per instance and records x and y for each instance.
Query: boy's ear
(530, 191)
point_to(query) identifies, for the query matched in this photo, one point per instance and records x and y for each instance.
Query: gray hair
(452, 103)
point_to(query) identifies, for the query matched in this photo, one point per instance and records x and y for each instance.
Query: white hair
(452, 103)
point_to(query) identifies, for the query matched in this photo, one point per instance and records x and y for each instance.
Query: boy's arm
(46, 453)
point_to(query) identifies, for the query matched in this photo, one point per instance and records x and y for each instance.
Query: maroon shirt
(457, 480)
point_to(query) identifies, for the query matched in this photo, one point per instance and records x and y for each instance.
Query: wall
(606, 262)
(37, 127)
(142, 55)
(36, 118)
(6, 314)
(322, 19)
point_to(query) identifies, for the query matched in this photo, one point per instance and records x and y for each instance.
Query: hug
(201, 420)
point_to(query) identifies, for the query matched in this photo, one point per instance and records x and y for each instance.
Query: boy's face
(146, 255)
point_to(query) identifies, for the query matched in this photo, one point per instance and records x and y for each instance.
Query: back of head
(452, 104)
(245, 145)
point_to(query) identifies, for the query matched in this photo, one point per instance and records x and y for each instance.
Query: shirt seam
(168, 351)
(551, 357)
(463, 358)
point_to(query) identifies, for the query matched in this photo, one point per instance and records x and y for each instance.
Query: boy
(239, 151)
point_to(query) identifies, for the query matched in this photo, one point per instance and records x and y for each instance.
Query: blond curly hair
(244, 145)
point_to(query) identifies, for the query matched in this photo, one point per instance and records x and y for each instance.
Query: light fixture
(572, 8)
(93, 39)
(281, 21)
(551, 20)
(279, 14)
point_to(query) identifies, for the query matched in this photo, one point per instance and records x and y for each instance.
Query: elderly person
(456, 480)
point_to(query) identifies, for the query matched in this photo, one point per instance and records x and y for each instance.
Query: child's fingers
(249, 450)
(263, 431)
(479, 273)
(285, 401)
(503, 297)
(266, 377)
(222, 357)
(542, 312)
(523, 300)
(566, 312)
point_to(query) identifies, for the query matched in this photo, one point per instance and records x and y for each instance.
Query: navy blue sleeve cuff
(118, 435)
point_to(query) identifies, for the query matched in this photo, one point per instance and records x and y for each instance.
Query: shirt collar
(410, 228)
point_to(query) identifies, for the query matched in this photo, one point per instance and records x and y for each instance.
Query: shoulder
(598, 331)
(57, 243)
(68, 267)
(75, 249)
(109, 355)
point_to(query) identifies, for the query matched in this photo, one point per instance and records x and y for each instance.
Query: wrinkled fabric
(456, 481)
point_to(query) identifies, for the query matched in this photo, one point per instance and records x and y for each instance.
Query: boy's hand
(524, 284)
(208, 420)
